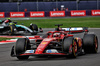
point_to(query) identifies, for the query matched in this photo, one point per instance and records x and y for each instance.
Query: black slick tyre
(34, 27)
(70, 47)
(22, 57)
(21, 46)
(90, 43)
(11, 28)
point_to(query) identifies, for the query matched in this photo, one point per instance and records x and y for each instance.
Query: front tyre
(22, 57)
(70, 47)
(90, 43)
(21, 46)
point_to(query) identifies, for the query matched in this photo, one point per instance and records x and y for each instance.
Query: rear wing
(76, 29)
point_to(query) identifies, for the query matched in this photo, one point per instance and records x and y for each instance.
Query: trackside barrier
(37, 14)
(78, 13)
(51, 13)
(2, 14)
(95, 12)
(57, 13)
(17, 14)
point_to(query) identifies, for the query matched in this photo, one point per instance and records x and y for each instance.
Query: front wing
(50, 52)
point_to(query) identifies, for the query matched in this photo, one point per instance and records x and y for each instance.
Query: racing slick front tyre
(21, 46)
(90, 43)
(70, 47)
(22, 57)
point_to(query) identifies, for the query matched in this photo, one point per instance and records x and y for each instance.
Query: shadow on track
(57, 58)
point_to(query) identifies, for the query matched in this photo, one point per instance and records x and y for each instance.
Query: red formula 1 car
(58, 42)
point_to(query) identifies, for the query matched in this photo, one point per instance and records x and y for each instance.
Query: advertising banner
(37, 14)
(17, 14)
(95, 12)
(2, 14)
(78, 13)
(57, 13)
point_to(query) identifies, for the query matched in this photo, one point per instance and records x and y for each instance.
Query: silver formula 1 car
(9, 27)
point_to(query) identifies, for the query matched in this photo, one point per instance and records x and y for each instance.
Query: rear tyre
(34, 27)
(70, 47)
(90, 43)
(11, 28)
(21, 46)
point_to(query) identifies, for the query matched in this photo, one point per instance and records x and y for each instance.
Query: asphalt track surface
(84, 60)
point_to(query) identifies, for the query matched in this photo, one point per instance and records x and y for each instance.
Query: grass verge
(91, 22)
(3, 39)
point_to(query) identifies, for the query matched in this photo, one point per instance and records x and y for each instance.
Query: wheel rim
(74, 48)
(33, 28)
(10, 32)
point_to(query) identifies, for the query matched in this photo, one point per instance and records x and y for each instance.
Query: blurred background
(48, 5)
(41, 0)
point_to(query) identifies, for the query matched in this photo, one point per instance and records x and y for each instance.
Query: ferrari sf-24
(60, 42)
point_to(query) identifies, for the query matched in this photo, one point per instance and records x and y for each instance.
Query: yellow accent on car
(11, 30)
(44, 42)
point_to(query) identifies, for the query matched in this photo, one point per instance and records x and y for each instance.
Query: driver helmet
(7, 20)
